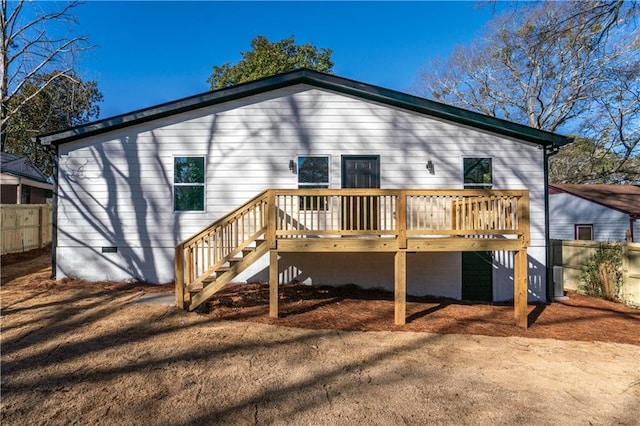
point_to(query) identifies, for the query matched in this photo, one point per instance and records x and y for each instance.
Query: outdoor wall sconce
(293, 167)
(431, 167)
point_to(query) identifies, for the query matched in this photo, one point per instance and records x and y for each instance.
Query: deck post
(520, 287)
(273, 283)
(179, 272)
(400, 293)
(271, 219)
(401, 219)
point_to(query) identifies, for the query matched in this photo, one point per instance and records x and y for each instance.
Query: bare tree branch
(29, 49)
(558, 66)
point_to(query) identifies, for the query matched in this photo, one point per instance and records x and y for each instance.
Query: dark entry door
(477, 276)
(361, 172)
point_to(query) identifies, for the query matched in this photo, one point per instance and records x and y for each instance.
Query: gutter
(54, 224)
(54, 219)
(549, 151)
(313, 78)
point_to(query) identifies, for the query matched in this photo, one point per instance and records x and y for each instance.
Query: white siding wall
(567, 210)
(116, 188)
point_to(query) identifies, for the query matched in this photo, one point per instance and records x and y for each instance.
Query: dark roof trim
(21, 166)
(623, 198)
(318, 79)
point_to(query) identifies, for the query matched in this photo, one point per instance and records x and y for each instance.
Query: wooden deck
(355, 220)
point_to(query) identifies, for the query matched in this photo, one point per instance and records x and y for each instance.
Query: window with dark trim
(584, 232)
(477, 173)
(313, 172)
(25, 195)
(188, 184)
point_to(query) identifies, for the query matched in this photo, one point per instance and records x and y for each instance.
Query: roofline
(24, 176)
(25, 180)
(5, 168)
(554, 186)
(318, 79)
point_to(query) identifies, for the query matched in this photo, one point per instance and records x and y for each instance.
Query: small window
(584, 232)
(313, 172)
(478, 173)
(25, 195)
(188, 184)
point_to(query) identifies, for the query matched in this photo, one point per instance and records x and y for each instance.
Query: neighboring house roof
(321, 80)
(18, 165)
(624, 198)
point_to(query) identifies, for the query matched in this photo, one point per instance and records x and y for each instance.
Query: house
(447, 202)
(594, 212)
(22, 182)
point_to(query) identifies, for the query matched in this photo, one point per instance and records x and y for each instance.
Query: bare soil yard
(84, 353)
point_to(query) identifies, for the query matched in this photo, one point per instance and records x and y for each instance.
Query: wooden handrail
(229, 216)
(325, 213)
(199, 256)
(403, 213)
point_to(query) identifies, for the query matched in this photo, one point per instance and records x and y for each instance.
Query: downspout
(549, 151)
(54, 229)
(632, 219)
(54, 219)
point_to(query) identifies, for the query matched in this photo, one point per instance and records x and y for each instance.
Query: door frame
(477, 286)
(343, 169)
(363, 220)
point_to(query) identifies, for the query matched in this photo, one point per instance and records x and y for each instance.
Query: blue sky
(151, 52)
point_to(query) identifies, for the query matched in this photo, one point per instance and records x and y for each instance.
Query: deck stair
(216, 255)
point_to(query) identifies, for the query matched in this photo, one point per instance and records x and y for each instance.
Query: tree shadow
(417, 315)
(535, 314)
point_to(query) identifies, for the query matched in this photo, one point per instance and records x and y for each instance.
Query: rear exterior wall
(567, 210)
(116, 189)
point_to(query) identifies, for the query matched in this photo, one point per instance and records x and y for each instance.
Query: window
(188, 184)
(25, 195)
(478, 173)
(313, 172)
(584, 232)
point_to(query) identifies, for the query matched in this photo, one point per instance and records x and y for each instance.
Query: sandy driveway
(79, 356)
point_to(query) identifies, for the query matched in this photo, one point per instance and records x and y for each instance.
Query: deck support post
(400, 285)
(179, 273)
(520, 287)
(273, 283)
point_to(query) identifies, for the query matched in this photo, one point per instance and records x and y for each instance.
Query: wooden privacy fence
(573, 255)
(25, 226)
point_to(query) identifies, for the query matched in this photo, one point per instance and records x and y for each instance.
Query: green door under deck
(477, 276)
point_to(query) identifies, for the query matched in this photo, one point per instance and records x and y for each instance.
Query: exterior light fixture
(293, 167)
(431, 167)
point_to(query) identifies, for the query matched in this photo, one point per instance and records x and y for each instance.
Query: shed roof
(320, 80)
(624, 198)
(19, 165)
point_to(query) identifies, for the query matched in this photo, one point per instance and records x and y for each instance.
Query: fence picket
(25, 226)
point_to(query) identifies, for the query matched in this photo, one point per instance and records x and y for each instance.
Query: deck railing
(389, 212)
(213, 247)
(348, 213)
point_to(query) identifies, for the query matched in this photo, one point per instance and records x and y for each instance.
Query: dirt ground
(84, 353)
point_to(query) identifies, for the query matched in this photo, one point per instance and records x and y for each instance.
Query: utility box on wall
(558, 284)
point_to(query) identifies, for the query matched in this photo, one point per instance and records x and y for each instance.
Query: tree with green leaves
(40, 90)
(62, 103)
(571, 67)
(267, 58)
(584, 161)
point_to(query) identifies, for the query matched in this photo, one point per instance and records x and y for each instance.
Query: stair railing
(312, 213)
(198, 257)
